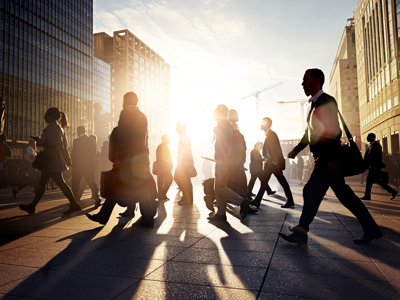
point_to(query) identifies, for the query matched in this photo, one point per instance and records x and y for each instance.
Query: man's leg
(347, 197)
(283, 182)
(222, 192)
(264, 178)
(167, 183)
(76, 180)
(368, 186)
(59, 180)
(89, 176)
(160, 186)
(313, 193)
(250, 186)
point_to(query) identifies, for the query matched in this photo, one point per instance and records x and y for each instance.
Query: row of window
(380, 110)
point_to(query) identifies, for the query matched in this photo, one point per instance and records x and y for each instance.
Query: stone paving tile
(270, 296)
(132, 249)
(19, 242)
(9, 297)
(327, 266)
(340, 252)
(326, 287)
(10, 273)
(391, 272)
(225, 257)
(236, 245)
(110, 265)
(149, 289)
(38, 258)
(62, 285)
(212, 275)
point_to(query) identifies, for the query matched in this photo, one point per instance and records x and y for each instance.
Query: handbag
(40, 161)
(351, 161)
(192, 171)
(118, 185)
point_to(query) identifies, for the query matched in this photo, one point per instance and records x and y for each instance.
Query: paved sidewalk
(46, 256)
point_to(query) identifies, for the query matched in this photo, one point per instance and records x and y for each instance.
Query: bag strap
(349, 136)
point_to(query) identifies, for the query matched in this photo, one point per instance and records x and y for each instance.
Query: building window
(384, 107)
(395, 101)
(395, 142)
(389, 104)
(347, 66)
(384, 144)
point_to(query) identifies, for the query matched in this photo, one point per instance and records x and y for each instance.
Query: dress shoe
(365, 198)
(245, 208)
(95, 218)
(97, 202)
(299, 236)
(209, 200)
(255, 203)
(217, 218)
(271, 193)
(29, 208)
(288, 204)
(393, 194)
(128, 213)
(368, 237)
(15, 191)
(73, 209)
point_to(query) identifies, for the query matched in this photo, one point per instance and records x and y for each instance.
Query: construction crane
(256, 95)
(302, 102)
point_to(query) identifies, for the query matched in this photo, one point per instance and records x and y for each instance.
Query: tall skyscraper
(377, 28)
(343, 84)
(138, 68)
(45, 60)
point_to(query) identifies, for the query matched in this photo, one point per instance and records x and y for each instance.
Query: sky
(220, 51)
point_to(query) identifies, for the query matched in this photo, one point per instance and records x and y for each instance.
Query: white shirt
(317, 95)
(29, 152)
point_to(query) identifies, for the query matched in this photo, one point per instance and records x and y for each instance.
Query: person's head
(52, 114)
(233, 116)
(221, 111)
(80, 130)
(165, 138)
(32, 143)
(93, 137)
(180, 128)
(258, 146)
(130, 98)
(266, 123)
(371, 137)
(64, 120)
(313, 81)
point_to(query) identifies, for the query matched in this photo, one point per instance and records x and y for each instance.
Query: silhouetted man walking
(323, 136)
(373, 161)
(164, 175)
(83, 164)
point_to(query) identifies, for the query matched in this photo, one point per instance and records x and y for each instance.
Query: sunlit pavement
(46, 256)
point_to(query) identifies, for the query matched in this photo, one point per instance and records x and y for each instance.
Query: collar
(129, 106)
(267, 131)
(317, 95)
(370, 145)
(82, 134)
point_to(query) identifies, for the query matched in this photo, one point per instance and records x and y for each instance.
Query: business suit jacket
(256, 162)
(373, 157)
(272, 148)
(54, 143)
(132, 141)
(83, 153)
(323, 131)
(163, 156)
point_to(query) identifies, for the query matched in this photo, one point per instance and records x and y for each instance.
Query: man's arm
(301, 145)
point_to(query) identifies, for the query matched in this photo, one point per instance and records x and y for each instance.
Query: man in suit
(130, 157)
(274, 164)
(184, 167)
(83, 157)
(224, 143)
(164, 175)
(323, 136)
(373, 161)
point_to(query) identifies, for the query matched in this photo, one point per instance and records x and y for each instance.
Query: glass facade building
(101, 100)
(138, 68)
(45, 60)
(377, 31)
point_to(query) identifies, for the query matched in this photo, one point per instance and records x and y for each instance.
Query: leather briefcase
(117, 185)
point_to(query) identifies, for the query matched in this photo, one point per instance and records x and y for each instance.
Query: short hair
(268, 120)
(371, 136)
(181, 127)
(64, 120)
(165, 136)
(80, 129)
(233, 115)
(54, 112)
(223, 110)
(258, 143)
(131, 98)
(317, 73)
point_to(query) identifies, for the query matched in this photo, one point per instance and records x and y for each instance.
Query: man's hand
(116, 164)
(292, 154)
(69, 162)
(332, 167)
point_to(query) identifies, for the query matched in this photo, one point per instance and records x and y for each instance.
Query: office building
(343, 84)
(45, 60)
(377, 31)
(137, 67)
